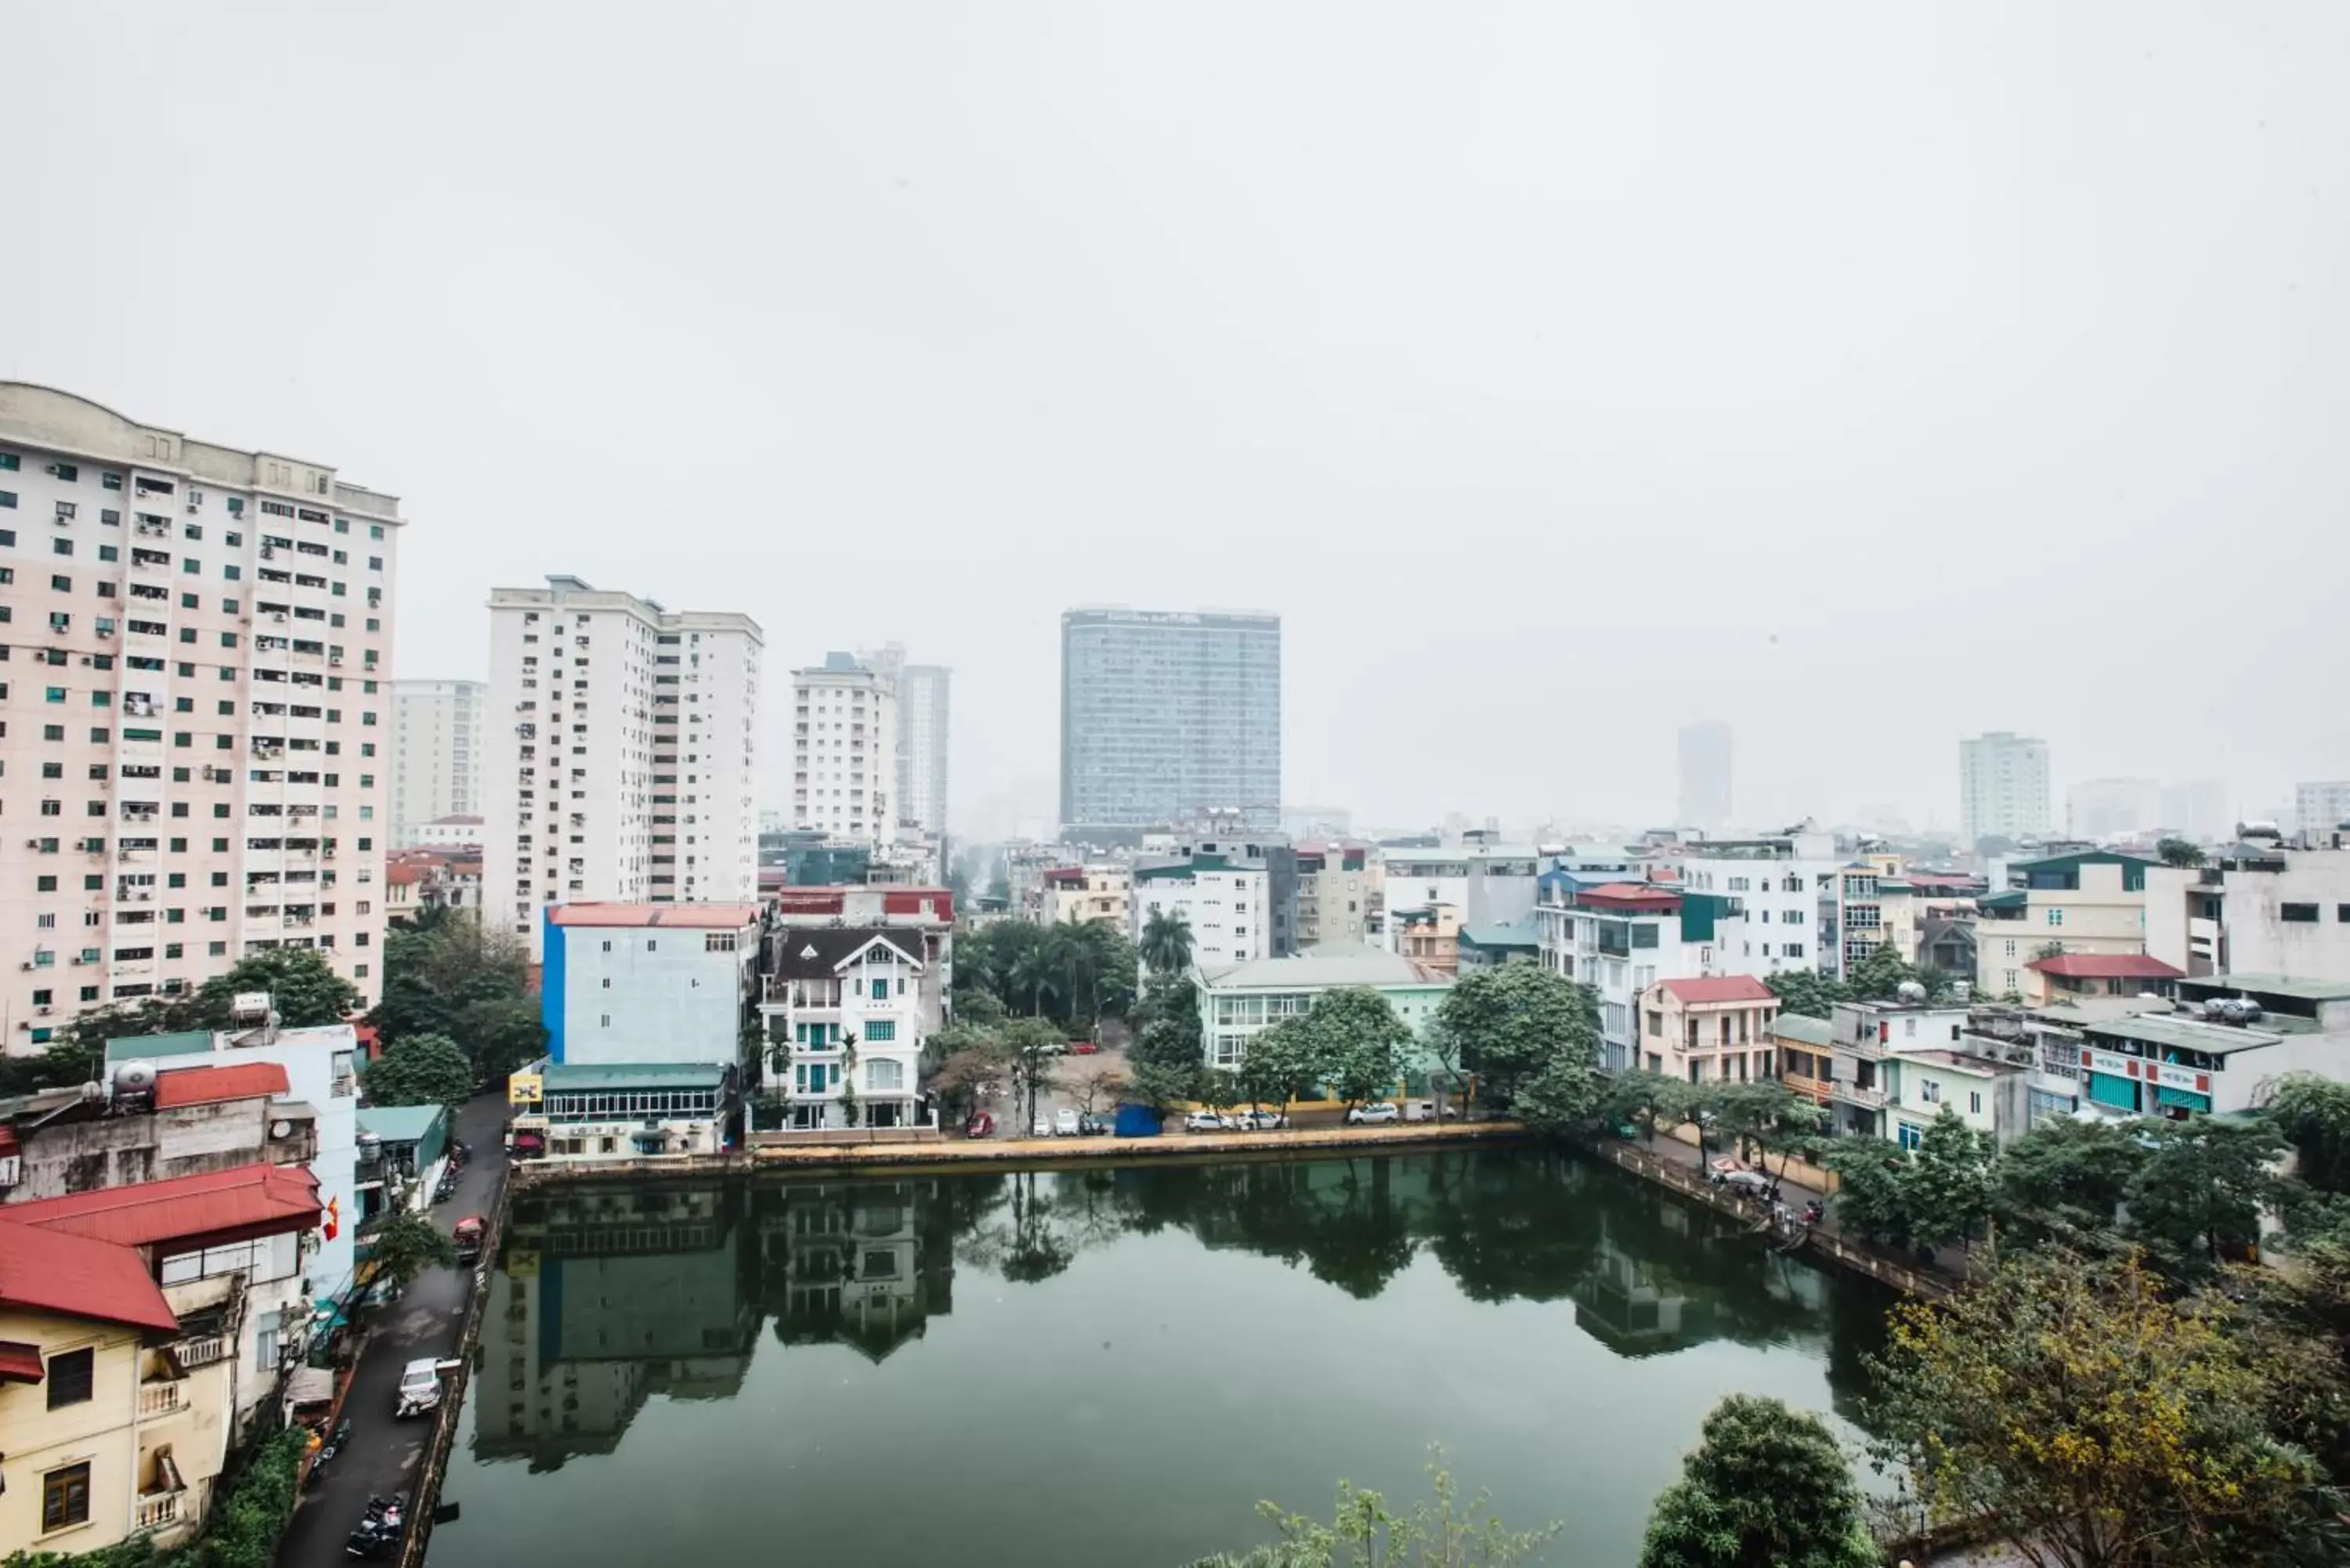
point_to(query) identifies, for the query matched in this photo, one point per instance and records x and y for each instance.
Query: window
(69, 1378)
(65, 1493)
(885, 1076)
(2299, 914)
(881, 1031)
(1929, 1091)
(1974, 1102)
(2056, 916)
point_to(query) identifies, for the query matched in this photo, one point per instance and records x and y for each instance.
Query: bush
(240, 1532)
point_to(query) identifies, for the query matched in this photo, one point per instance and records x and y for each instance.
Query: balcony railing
(159, 1510)
(1854, 1094)
(156, 1399)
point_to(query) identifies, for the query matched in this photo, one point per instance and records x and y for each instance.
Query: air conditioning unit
(27, 966)
(44, 1012)
(77, 961)
(334, 659)
(106, 631)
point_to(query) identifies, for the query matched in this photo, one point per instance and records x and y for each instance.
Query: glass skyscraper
(1169, 716)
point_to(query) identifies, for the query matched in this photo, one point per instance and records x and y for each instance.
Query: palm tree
(1031, 972)
(1167, 942)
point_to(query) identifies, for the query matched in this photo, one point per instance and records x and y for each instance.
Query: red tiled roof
(692, 917)
(210, 1086)
(1719, 988)
(1631, 893)
(2107, 966)
(1058, 874)
(403, 876)
(258, 1200)
(936, 902)
(73, 1276)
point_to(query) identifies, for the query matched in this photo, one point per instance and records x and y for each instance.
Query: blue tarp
(1137, 1121)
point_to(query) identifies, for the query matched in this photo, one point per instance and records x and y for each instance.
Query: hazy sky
(1865, 375)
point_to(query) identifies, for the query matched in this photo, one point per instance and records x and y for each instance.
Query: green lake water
(1074, 1369)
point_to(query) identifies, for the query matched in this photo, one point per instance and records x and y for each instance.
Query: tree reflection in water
(607, 1293)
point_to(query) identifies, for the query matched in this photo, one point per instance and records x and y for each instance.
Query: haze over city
(1561, 376)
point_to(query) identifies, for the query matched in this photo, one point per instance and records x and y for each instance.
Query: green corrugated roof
(573, 1079)
(2274, 985)
(1500, 934)
(2015, 900)
(399, 1123)
(1804, 1029)
(1184, 868)
(138, 1047)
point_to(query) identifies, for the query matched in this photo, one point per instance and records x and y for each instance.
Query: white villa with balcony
(847, 1012)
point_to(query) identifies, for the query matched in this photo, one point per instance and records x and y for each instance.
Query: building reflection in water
(608, 1294)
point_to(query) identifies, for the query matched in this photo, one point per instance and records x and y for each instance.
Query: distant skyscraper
(2112, 808)
(2321, 807)
(1705, 774)
(436, 752)
(923, 707)
(2002, 788)
(1166, 716)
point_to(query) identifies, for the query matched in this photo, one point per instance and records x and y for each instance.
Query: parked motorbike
(387, 1511)
(371, 1538)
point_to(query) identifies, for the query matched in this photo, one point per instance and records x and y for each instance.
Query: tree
(1767, 1488)
(2200, 1193)
(1357, 1043)
(2061, 1183)
(1508, 1023)
(2313, 1115)
(62, 1064)
(1770, 1117)
(406, 1245)
(1033, 1053)
(1947, 1186)
(1171, 1026)
(1092, 1083)
(2178, 852)
(1648, 1101)
(1807, 993)
(1444, 1531)
(1870, 1199)
(1161, 1086)
(1563, 1099)
(2065, 1408)
(1166, 944)
(1880, 976)
(1281, 1062)
(421, 1070)
(304, 989)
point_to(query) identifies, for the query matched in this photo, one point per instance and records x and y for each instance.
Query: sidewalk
(384, 1455)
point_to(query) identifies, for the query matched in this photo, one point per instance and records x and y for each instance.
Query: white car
(420, 1388)
(1259, 1121)
(1043, 1127)
(1379, 1111)
(1205, 1121)
(1065, 1123)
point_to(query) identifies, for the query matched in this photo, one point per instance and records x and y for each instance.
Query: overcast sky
(1863, 375)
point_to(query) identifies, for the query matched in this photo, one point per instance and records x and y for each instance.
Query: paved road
(384, 1455)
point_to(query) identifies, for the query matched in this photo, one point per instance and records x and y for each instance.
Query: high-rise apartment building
(2002, 788)
(923, 702)
(1168, 717)
(436, 752)
(195, 752)
(2321, 807)
(845, 750)
(1705, 774)
(622, 763)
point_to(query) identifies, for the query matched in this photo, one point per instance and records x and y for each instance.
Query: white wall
(653, 993)
(1231, 919)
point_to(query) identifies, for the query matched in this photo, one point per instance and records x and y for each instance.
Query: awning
(8, 1144)
(19, 1363)
(2164, 1094)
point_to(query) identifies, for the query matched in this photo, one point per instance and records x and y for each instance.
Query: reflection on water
(1513, 1283)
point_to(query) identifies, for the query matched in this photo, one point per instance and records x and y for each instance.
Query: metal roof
(257, 1200)
(1719, 988)
(2276, 986)
(49, 1270)
(1328, 965)
(2106, 966)
(1804, 1029)
(398, 1124)
(2212, 1039)
(211, 1085)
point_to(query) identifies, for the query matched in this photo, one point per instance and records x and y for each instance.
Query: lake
(1074, 1368)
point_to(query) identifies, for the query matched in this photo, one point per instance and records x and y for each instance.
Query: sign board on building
(524, 1089)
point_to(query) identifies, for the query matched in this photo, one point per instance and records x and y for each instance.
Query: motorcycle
(336, 1442)
(371, 1538)
(387, 1511)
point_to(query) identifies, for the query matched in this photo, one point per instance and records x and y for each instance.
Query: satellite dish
(281, 1129)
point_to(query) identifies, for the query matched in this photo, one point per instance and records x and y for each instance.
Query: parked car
(1043, 1127)
(1378, 1111)
(1084, 1048)
(981, 1124)
(1091, 1126)
(1428, 1111)
(468, 1235)
(1205, 1121)
(1259, 1120)
(420, 1388)
(1752, 1183)
(1065, 1123)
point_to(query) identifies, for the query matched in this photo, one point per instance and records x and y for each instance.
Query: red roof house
(2107, 966)
(218, 1206)
(48, 1270)
(1701, 988)
(211, 1086)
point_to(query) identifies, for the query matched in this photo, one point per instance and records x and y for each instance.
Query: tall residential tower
(845, 750)
(1169, 716)
(436, 752)
(195, 748)
(2002, 788)
(623, 755)
(923, 691)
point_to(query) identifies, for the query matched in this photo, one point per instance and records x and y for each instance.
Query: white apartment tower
(924, 693)
(436, 752)
(845, 750)
(621, 765)
(2002, 788)
(194, 711)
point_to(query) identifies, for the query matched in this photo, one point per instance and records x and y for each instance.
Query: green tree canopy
(1948, 1184)
(1768, 1117)
(406, 1245)
(1357, 1043)
(1871, 1198)
(1166, 944)
(2313, 1113)
(2061, 1183)
(1649, 1101)
(2178, 852)
(1280, 1065)
(1507, 1024)
(2198, 1199)
(1807, 993)
(303, 987)
(421, 1070)
(1767, 1488)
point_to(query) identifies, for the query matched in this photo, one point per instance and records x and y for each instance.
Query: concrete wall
(124, 1150)
(654, 993)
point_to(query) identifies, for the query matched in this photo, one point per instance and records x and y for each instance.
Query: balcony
(159, 1510)
(157, 1400)
(1854, 1094)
